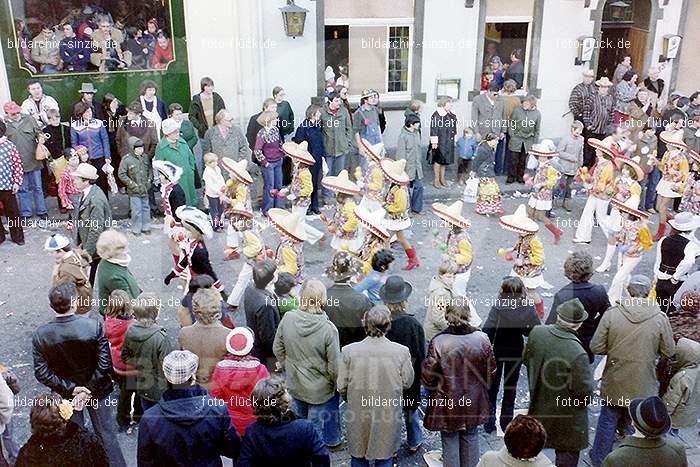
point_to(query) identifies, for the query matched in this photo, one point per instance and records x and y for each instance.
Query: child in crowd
(570, 149)
(683, 396)
(286, 301)
(10, 447)
(466, 148)
(72, 265)
(68, 193)
(646, 151)
(214, 189)
(135, 172)
(119, 316)
(376, 278)
(242, 222)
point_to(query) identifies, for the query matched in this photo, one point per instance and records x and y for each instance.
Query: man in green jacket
(337, 136)
(561, 382)
(173, 148)
(524, 130)
(136, 173)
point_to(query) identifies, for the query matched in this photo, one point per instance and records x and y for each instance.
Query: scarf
(122, 260)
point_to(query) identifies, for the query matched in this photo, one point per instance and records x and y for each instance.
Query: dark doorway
(624, 31)
(502, 39)
(337, 49)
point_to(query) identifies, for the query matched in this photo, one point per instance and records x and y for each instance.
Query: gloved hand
(169, 277)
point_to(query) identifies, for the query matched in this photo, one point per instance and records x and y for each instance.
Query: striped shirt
(578, 98)
(598, 113)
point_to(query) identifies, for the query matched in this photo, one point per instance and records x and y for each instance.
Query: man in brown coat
(71, 266)
(632, 335)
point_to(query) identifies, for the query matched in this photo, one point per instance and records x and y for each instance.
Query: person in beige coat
(206, 338)
(440, 295)
(371, 377)
(683, 396)
(108, 54)
(71, 266)
(524, 439)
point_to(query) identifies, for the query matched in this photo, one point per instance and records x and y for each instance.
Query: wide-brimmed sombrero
(288, 223)
(341, 184)
(637, 171)
(452, 214)
(299, 152)
(196, 219)
(376, 151)
(545, 148)
(606, 147)
(395, 171)
(169, 170)
(629, 209)
(374, 220)
(238, 169)
(239, 209)
(519, 222)
(675, 139)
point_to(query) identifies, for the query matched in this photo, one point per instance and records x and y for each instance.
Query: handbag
(532, 163)
(41, 152)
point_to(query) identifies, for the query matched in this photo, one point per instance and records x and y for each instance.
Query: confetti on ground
(547, 294)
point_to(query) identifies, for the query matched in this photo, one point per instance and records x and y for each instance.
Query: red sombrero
(616, 203)
(376, 151)
(238, 169)
(341, 184)
(519, 222)
(546, 148)
(240, 210)
(299, 152)
(452, 214)
(374, 221)
(288, 224)
(606, 147)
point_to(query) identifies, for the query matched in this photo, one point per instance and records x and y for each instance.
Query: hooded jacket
(72, 267)
(683, 396)
(439, 297)
(135, 170)
(632, 334)
(187, 428)
(307, 345)
(145, 347)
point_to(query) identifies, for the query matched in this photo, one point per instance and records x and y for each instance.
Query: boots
(176, 258)
(412, 259)
(609, 252)
(660, 233)
(556, 232)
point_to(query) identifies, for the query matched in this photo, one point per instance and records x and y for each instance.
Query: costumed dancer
(674, 172)
(598, 181)
(377, 235)
(527, 254)
(290, 252)
(628, 192)
(373, 178)
(241, 219)
(547, 175)
(173, 198)
(457, 249)
(301, 188)
(633, 239)
(691, 193)
(396, 204)
(237, 192)
(489, 200)
(194, 256)
(343, 225)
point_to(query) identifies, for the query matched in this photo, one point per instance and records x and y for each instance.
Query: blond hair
(313, 296)
(220, 115)
(112, 244)
(206, 306)
(265, 118)
(118, 304)
(147, 307)
(210, 157)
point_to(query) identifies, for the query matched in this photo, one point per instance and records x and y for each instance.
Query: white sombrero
(675, 139)
(606, 147)
(341, 184)
(288, 224)
(629, 208)
(685, 222)
(395, 170)
(452, 214)
(631, 163)
(169, 170)
(195, 219)
(241, 210)
(519, 222)
(545, 148)
(373, 220)
(376, 151)
(238, 169)
(299, 152)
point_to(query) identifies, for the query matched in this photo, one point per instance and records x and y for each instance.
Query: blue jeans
(414, 434)
(325, 417)
(460, 448)
(500, 163)
(651, 182)
(9, 443)
(31, 187)
(357, 462)
(608, 420)
(104, 424)
(416, 189)
(272, 180)
(140, 214)
(216, 212)
(335, 165)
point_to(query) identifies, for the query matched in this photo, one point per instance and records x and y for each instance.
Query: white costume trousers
(595, 208)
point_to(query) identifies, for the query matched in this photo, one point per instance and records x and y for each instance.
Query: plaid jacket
(598, 113)
(11, 168)
(578, 98)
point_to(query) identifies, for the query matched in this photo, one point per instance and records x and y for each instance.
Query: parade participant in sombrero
(691, 192)
(302, 187)
(194, 256)
(290, 252)
(598, 181)
(396, 205)
(173, 197)
(527, 254)
(376, 236)
(241, 220)
(343, 224)
(626, 189)
(237, 192)
(458, 247)
(373, 182)
(489, 200)
(633, 239)
(546, 177)
(674, 172)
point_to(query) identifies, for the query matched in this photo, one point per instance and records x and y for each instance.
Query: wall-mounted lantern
(585, 45)
(294, 18)
(670, 48)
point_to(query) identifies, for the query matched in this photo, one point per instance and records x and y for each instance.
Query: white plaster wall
(4, 82)
(668, 25)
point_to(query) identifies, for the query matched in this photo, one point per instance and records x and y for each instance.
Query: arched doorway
(624, 30)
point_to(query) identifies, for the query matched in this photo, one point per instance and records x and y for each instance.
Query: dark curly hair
(382, 260)
(45, 418)
(270, 399)
(578, 267)
(525, 437)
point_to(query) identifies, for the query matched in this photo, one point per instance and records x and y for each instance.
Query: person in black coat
(261, 312)
(407, 331)
(311, 131)
(56, 440)
(578, 268)
(72, 358)
(510, 319)
(278, 437)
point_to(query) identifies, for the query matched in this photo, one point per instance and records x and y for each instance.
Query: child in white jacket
(214, 189)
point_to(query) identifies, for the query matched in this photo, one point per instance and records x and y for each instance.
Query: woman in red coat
(164, 53)
(235, 377)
